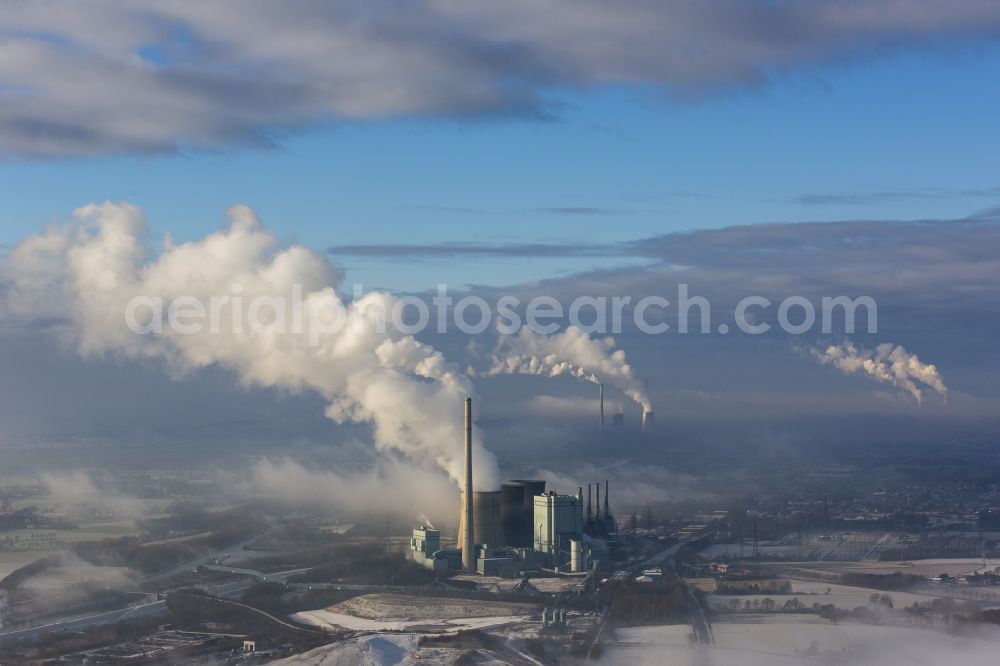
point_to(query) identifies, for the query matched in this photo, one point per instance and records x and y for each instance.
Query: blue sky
(910, 135)
(591, 148)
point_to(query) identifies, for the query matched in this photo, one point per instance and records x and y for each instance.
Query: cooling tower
(487, 526)
(647, 421)
(517, 506)
(514, 519)
(531, 489)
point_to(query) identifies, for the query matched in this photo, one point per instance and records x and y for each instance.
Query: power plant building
(520, 527)
(425, 549)
(425, 540)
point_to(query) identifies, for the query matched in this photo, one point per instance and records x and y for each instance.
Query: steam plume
(888, 363)
(390, 486)
(572, 353)
(84, 273)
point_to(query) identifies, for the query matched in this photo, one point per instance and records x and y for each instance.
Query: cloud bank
(162, 76)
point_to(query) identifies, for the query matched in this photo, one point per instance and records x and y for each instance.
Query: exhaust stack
(602, 405)
(647, 421)
(468, 542)
(590, 511)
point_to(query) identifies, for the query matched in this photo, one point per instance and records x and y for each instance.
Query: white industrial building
(558, 521)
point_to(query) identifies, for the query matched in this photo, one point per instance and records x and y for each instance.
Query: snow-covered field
(933, 567)
(810, 592)
(365, 651)
(329, 620)
(724, 550)
(388, 606)
(545, 585)
(394, 650)
(399, 612)
(778, 640)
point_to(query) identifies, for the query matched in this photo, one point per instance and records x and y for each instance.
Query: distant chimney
(590, 511)
(647, 421)
(602, 406)
(598, 484)
(607, 510)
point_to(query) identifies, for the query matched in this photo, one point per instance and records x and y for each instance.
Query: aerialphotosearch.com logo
(323, 313)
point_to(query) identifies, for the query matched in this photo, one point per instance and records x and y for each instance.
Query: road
(699, 621)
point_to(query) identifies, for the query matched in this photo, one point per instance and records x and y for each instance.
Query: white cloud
(86, 273)
(163, 75)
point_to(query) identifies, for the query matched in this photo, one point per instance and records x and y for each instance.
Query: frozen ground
(548, 585)
(387, 606)
(371, 651)
(398, 612)
(810, 592)
(935, 567)
(329, 620)
(733, 550)
(782, 639)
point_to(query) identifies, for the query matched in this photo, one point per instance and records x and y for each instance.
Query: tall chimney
(647, 421)
(607, 511)
(598, 500)
(590, 510)
(602, 405)
(468, 543)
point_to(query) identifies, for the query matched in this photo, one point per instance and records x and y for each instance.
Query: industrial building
(558, 519)
(521, 527)
(425, 549)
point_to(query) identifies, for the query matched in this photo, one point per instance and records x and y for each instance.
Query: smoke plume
(389, 486)
(888, 363)
(84, 275)
(573, 353)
